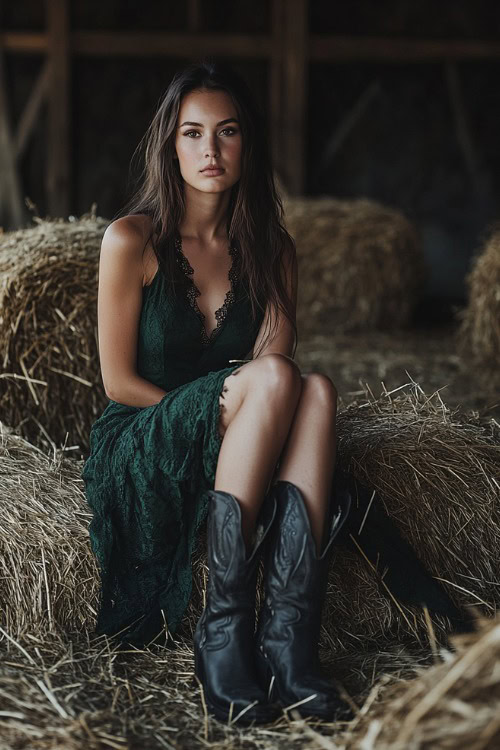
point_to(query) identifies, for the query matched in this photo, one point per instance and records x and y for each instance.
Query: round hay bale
(50, 382)
(478, 336)
(360, 264)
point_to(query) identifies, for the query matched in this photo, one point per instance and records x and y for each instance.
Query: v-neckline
(193, 292)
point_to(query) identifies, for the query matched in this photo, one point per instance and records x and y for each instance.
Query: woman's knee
(278, 374)
(320, 388)
(273, 376)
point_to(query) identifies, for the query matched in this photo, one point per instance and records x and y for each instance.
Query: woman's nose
(211, 147)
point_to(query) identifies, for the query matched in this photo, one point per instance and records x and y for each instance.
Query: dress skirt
(146, 480)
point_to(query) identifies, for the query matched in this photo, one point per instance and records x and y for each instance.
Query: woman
(196, 275)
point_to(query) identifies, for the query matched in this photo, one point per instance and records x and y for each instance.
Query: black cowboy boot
(224, 635)
(290, 619)
(370, 529)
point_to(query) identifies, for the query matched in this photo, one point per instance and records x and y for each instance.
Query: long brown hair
(255, 221)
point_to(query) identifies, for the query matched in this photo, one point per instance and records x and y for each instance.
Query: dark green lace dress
(149, 468)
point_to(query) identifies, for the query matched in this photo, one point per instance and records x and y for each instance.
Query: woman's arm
(283, 341)
(119, 303)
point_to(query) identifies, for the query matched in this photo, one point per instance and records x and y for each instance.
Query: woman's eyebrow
(222, 122)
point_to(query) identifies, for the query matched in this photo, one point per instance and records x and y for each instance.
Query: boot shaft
(292, 562)
(223, 639)
(295, 586)
(232, 575)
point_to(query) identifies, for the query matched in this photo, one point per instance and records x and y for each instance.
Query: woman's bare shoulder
(130, 237)
(136, 226)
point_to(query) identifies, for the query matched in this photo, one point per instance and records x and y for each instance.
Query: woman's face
(208, 133)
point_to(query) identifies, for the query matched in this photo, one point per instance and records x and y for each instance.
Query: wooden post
(194, 15)
(32, 109)
(58, 166)
(276, 87)
(295, 71)
(12, 212)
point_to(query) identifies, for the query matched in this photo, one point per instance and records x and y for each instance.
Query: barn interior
(382, 120)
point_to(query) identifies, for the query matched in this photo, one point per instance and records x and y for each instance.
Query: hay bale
(360, 263)
(478, 337)
(436, 471)
(50, 382)
(48, 576)
(454, 704)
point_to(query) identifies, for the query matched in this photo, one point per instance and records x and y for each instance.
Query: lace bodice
(193, 292)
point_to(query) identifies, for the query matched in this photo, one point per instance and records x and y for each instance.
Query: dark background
(392, 132)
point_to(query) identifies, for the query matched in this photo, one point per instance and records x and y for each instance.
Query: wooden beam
(145, 44)
(336, 48)
(58, 169)
(169, 44)
(295, 66)
(326, 47)
(29, 42)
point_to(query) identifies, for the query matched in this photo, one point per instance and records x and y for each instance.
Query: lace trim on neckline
(193, 292)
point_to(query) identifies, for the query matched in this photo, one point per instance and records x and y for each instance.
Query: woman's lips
(212, 172)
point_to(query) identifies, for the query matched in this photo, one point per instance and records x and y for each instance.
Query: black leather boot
(290, 619)
(224, 635)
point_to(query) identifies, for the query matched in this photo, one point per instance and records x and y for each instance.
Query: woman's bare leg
(257, 410)
(308, 458)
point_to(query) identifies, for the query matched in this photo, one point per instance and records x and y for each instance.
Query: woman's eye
(232, 130)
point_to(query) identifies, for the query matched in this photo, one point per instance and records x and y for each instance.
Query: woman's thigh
(262, 373)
